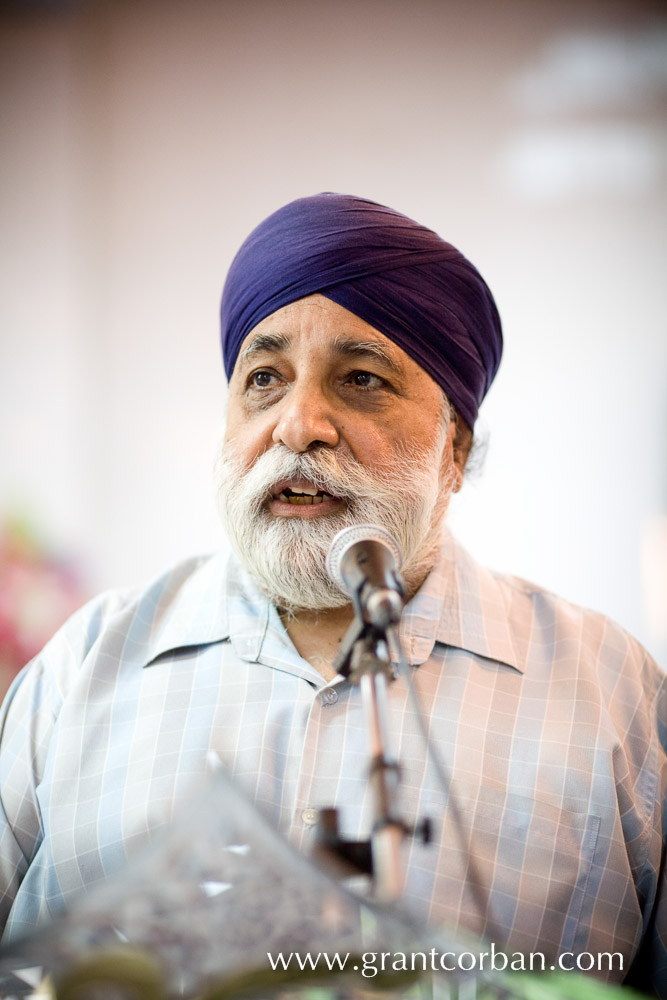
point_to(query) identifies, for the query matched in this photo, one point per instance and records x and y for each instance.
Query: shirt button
(310, 816)
(329, 696)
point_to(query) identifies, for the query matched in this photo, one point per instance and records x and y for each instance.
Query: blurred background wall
(141, 141)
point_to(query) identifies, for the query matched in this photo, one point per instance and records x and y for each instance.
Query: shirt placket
(333, 764)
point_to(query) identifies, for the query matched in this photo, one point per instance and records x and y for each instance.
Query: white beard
(286, 556)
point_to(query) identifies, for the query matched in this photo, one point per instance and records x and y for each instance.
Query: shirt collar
(460, 604)
(188, 607)
(209, 600)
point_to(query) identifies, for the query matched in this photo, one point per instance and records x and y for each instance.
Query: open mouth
(301, 493)
(306, 495)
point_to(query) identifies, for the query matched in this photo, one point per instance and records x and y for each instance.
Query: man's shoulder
(561, 631)
(130, 623)
(525, 594)
(148, 601)
(550, 608)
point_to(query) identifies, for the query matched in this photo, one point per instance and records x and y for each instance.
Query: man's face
(329, 423)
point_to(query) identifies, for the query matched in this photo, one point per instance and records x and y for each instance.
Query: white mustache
(286, 556)
(339, 474)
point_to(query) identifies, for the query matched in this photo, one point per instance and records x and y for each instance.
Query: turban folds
(391, 272)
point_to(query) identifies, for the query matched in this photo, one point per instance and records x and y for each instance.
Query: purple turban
(398, 276)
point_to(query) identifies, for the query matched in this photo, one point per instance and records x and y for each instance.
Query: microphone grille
(350, 536)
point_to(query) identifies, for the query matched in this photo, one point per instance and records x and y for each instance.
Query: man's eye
(261, 380)
(366, 380)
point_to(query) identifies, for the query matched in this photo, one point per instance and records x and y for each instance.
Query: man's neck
(317, 635)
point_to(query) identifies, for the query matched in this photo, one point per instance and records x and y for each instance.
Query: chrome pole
(388, 830)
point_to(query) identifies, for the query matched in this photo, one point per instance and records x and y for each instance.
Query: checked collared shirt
(546, 717)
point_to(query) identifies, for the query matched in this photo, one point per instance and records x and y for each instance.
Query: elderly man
(359, 346)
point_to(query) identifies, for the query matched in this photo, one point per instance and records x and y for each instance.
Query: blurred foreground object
(38, 592)
(207, 906)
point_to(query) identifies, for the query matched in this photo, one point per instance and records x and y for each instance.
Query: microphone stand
(388, 830)
(364, 658)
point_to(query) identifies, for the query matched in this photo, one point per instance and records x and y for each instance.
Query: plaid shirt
(546, 716)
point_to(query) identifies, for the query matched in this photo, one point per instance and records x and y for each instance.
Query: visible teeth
(309, 491)
(305, 498)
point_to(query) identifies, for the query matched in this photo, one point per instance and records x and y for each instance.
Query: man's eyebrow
(365, 350)
(345, 347)
(263, 342)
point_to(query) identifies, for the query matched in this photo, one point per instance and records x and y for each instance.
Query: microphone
(364, 560)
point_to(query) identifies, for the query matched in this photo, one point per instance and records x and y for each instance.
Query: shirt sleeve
(28, 716)
(26, 724)
(649, 969)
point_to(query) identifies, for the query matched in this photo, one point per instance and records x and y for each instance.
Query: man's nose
(305, 419)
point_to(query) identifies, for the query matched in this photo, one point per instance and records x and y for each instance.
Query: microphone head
(347, 537)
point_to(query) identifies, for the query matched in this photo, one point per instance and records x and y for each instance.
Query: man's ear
(461, 444)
